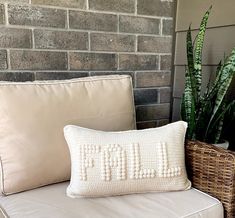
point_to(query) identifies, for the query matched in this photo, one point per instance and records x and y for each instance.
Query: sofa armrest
(212, 170)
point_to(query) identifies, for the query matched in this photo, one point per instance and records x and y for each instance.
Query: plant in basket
(205, 112)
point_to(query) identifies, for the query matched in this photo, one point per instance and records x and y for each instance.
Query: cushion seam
(204, 209)
(57, 82)
(207, 195)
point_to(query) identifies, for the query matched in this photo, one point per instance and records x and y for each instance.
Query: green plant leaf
(198, 51)
(183, 112)
(226, 76)
(190, 59)
(189, 107)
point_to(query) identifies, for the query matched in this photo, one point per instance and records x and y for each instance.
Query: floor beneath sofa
(51, 201)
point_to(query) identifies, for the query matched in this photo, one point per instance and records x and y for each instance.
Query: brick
(62, 3)
(131, 24)
(15, 38)
(137, 62)
(2, 14)
(3, 60)
(146, 125)
(165, 95)
(93, 21)
(167, 28)
(38, 60)
(69, 40)
(146, 96)
(59, 75)
(36, 16)
(153, 79)
(155, 8)
(17, 76)
(155, 44)
(165, 62)
(152, 112)
(92, 61)
(127, 6)
(163, 122)
(112, 42)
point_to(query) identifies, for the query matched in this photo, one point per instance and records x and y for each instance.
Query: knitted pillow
(116, 163)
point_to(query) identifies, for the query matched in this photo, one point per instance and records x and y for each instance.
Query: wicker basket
(212, 170)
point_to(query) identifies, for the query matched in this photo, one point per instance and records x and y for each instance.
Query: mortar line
(89, 41)
(118, 23)
(68, 61)
(159, 62)
(82, 70)
(33, 38)
(83, 30)
(135, 7)
(86, 51)
(8, 60)
(159, 96)
(118, 64)
(67, 18)
(161, 27)
(136, 43)
(6, 14)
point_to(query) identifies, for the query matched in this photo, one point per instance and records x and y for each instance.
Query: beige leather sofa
(51, 201)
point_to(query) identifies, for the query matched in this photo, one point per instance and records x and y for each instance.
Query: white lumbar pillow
(136, 161)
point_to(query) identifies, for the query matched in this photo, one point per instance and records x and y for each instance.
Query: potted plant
(205, 112)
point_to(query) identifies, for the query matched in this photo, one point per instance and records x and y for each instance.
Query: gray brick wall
(63, 39)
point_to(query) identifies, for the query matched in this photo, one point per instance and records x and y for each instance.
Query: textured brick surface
(62, 3)
(137, 62)
(93, 21)
(112, 42)
(59, 75)
(100, 73)
(127, 6)
(153, 79)
(38, 60)
(146, 96)
(2, 14)
(155, 44)
(165, 95)
(146, 125)
(155, 8)
(3, 59)
(68, 40)
(92, 61)
(152, 112)
(17, 76)
(64, 39)
(167, 28)
(36, 16)
(15, 38)
(163, 122)
(131, 24)
(165, 63)
(152, 124)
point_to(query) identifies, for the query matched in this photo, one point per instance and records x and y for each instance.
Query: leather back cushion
(33, 150)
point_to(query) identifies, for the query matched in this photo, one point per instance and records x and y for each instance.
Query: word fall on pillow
(135, 161)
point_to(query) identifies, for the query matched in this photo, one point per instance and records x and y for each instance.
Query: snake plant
(205, 111)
